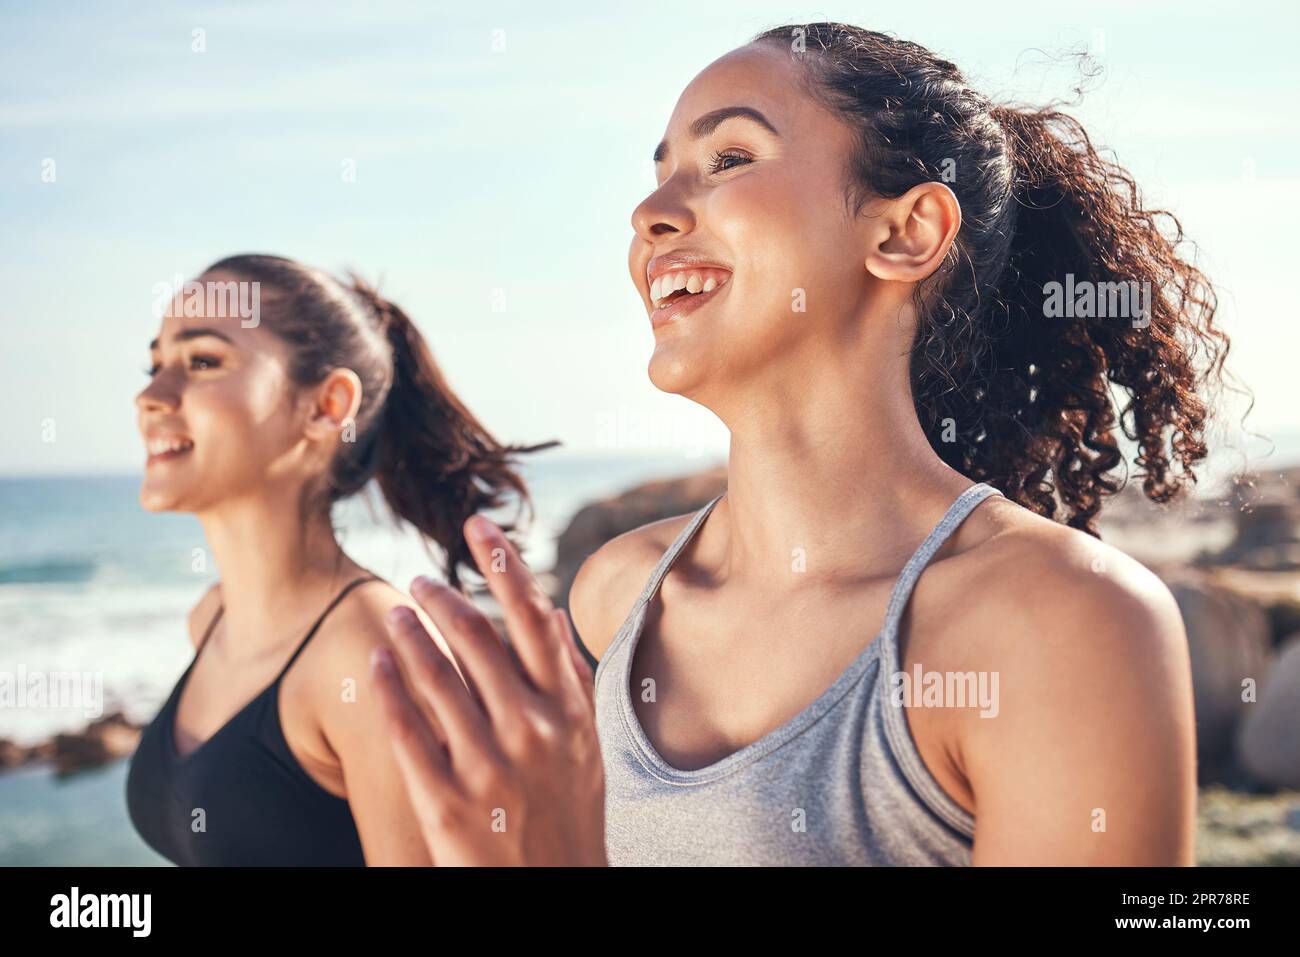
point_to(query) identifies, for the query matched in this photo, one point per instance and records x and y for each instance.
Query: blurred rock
(1276, 592)
(597, 523)
(11, 754)
(1229, 641)
(1265, 509)
(111, 737)
(1268, 739)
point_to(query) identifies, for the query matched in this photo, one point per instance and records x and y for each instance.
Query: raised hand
(506, 771)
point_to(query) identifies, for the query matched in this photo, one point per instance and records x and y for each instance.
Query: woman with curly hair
(896, 637)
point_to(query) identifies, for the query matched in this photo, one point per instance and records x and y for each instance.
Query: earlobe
(918, 228)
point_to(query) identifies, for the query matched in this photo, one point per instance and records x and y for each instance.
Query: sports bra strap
(328, 608)
(302, 644)
(212, 624)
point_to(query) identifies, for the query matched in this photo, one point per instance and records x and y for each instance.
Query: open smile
(677, 293)
(165, 448)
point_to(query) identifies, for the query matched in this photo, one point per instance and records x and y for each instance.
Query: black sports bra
(241, 797)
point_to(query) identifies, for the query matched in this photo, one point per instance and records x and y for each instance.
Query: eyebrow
(709, 122)
(185, 334)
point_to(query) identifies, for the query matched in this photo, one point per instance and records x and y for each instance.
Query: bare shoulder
(334, 670)
(1077, 630)
(357, 625)
(201, 615)
(1087, 662)
(1036, 577)
(612, 577)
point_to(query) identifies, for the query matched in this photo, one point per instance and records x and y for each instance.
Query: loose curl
(1007, 395)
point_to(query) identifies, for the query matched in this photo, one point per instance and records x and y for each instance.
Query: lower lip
(159, 457)
(681, 308)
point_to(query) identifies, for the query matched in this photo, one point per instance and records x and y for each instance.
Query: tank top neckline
(882, 644)
(173, 710)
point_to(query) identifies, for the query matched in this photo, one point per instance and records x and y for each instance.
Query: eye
(152, 370)
(717, 163)
(203, 363)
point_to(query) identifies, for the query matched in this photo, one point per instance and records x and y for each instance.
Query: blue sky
(481, 168)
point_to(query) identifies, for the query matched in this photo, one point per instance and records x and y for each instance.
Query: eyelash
(715, 164)
(211, 361)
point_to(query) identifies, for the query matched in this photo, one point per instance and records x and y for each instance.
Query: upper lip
(679, 260)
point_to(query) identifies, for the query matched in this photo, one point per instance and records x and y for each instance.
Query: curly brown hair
(1007, 393)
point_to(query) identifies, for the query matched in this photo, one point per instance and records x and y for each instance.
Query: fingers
(581, 670)
(432, 676)
(475, 644)
(420, 758)
(524, 605)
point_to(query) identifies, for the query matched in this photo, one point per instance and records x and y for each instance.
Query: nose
(160, 395)
(663, 213)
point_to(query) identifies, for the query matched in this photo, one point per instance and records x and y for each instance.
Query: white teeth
(692, 281)
(159, 446)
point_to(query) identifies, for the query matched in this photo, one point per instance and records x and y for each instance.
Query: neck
(832, 470)
(271, 562)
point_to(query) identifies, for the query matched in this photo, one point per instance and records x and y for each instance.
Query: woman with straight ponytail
(258, 424)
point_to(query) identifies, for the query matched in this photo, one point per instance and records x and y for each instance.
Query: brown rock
(11, 754)
(111, 737)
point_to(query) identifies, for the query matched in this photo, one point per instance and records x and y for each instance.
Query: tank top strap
(319, 621)
(962, 506)
(666, 560)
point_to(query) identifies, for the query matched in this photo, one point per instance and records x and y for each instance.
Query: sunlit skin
(257, 441)
(828, 461)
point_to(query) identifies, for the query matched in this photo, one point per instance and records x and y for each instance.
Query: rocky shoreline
(107, 739)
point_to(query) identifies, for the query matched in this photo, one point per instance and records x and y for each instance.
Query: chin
(154, 498)
(672, 371)
(152, 501)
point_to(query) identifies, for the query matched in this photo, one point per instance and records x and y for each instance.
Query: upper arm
(1090, 758)
(610, 580)
(352, 722)
(203, 612)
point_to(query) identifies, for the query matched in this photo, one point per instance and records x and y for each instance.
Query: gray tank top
(841, 783)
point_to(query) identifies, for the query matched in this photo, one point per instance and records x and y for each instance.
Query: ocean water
(91, 583)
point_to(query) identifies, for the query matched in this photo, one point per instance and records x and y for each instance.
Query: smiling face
(219, 417)
(747, 259)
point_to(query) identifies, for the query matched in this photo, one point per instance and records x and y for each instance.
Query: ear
(334, 404)
(912, 233)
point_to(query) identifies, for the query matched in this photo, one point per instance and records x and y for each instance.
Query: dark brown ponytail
(436, 463)
(433, 461)
(1010, 389)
